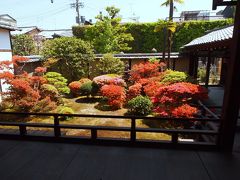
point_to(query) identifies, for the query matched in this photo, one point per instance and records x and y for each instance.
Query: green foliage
(150, 35)
(86, 89)
(109, 65)
(23, 45)
(140, 105)
(202, 74)
(69, 56)
(64, 110)
(58, 81)
(171, 77)
(187, 31)
(107, 35)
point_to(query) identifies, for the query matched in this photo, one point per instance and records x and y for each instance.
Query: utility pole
(77, 5)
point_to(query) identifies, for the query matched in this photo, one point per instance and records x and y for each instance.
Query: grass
(82, 105)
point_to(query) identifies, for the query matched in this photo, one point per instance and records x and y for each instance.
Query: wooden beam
(222, 3)
(232, 89)
(209, 58)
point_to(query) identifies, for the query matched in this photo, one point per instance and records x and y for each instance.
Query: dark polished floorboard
(25, 160)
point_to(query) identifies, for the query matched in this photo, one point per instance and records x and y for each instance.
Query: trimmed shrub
(108, 79)
(171, 77)
(140, 105)
(110, 65)
(64, 110)
(134, 90)
(57, 80)
(115, 95)
(74, 87)
(48, 90)
(86, 89)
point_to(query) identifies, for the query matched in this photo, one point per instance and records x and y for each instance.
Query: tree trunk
(170, 33)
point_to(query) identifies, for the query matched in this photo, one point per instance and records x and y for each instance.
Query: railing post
(23, 130)
(93, 134)
(133, 129)
(57, 131)
(175, 138)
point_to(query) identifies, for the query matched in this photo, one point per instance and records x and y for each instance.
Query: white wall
(5, 42)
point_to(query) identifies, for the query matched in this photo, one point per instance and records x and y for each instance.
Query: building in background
(198, 15)
(7, 24)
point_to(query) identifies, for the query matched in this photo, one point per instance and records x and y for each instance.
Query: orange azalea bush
(115, 95)
(173, 100)
(24, 92)
(142, 71)
(134, 91)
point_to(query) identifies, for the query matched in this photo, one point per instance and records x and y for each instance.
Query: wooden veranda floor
(27, 160)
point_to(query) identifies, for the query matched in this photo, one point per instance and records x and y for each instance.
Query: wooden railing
(58, 127)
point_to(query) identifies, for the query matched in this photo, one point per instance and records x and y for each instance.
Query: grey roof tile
(213, 36)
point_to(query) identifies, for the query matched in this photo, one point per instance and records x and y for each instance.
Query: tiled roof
(213, 36)
(141, 55)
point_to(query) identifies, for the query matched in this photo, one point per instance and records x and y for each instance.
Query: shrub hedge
(146, 38)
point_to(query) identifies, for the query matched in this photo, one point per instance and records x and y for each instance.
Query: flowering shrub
(115, 95)
(109, 79)
(172, 100)
(145, 70)
(25, 93)
(150, 89)
(40, 70)
(134, 90)
(75, 86)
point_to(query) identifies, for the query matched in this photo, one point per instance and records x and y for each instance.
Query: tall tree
(23, 45)
(171, 28)
(108, 35)
(170, 3)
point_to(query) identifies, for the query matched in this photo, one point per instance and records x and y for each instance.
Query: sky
(59, 15)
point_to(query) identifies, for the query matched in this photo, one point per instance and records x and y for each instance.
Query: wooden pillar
(191, 64)
(209, 58)
(195, 71)
(174, 64)
(232, 89)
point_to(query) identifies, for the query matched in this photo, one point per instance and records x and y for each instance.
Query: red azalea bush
(172, 100)
(115, 95)
(24, 92)
(134, 91)
(75, 86)
(143, 71)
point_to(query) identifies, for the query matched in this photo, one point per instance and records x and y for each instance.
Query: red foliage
(115, 94)
(171, 100)
(75, 86)
(6, 75)
(24, 90)
(134, 90)
(184, 110)
(40, 70)
(145, 70)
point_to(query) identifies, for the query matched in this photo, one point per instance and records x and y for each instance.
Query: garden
(148, 89)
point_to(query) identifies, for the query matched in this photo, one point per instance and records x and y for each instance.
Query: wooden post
(195, 71)
(133, 130)
(209, 58)
(57, 131)
(232, 89)
(191, 64)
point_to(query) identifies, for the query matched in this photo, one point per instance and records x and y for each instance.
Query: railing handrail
(112, 116)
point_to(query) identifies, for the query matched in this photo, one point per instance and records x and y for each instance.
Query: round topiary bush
(86, 89)
(140, 105)
(64, 110)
